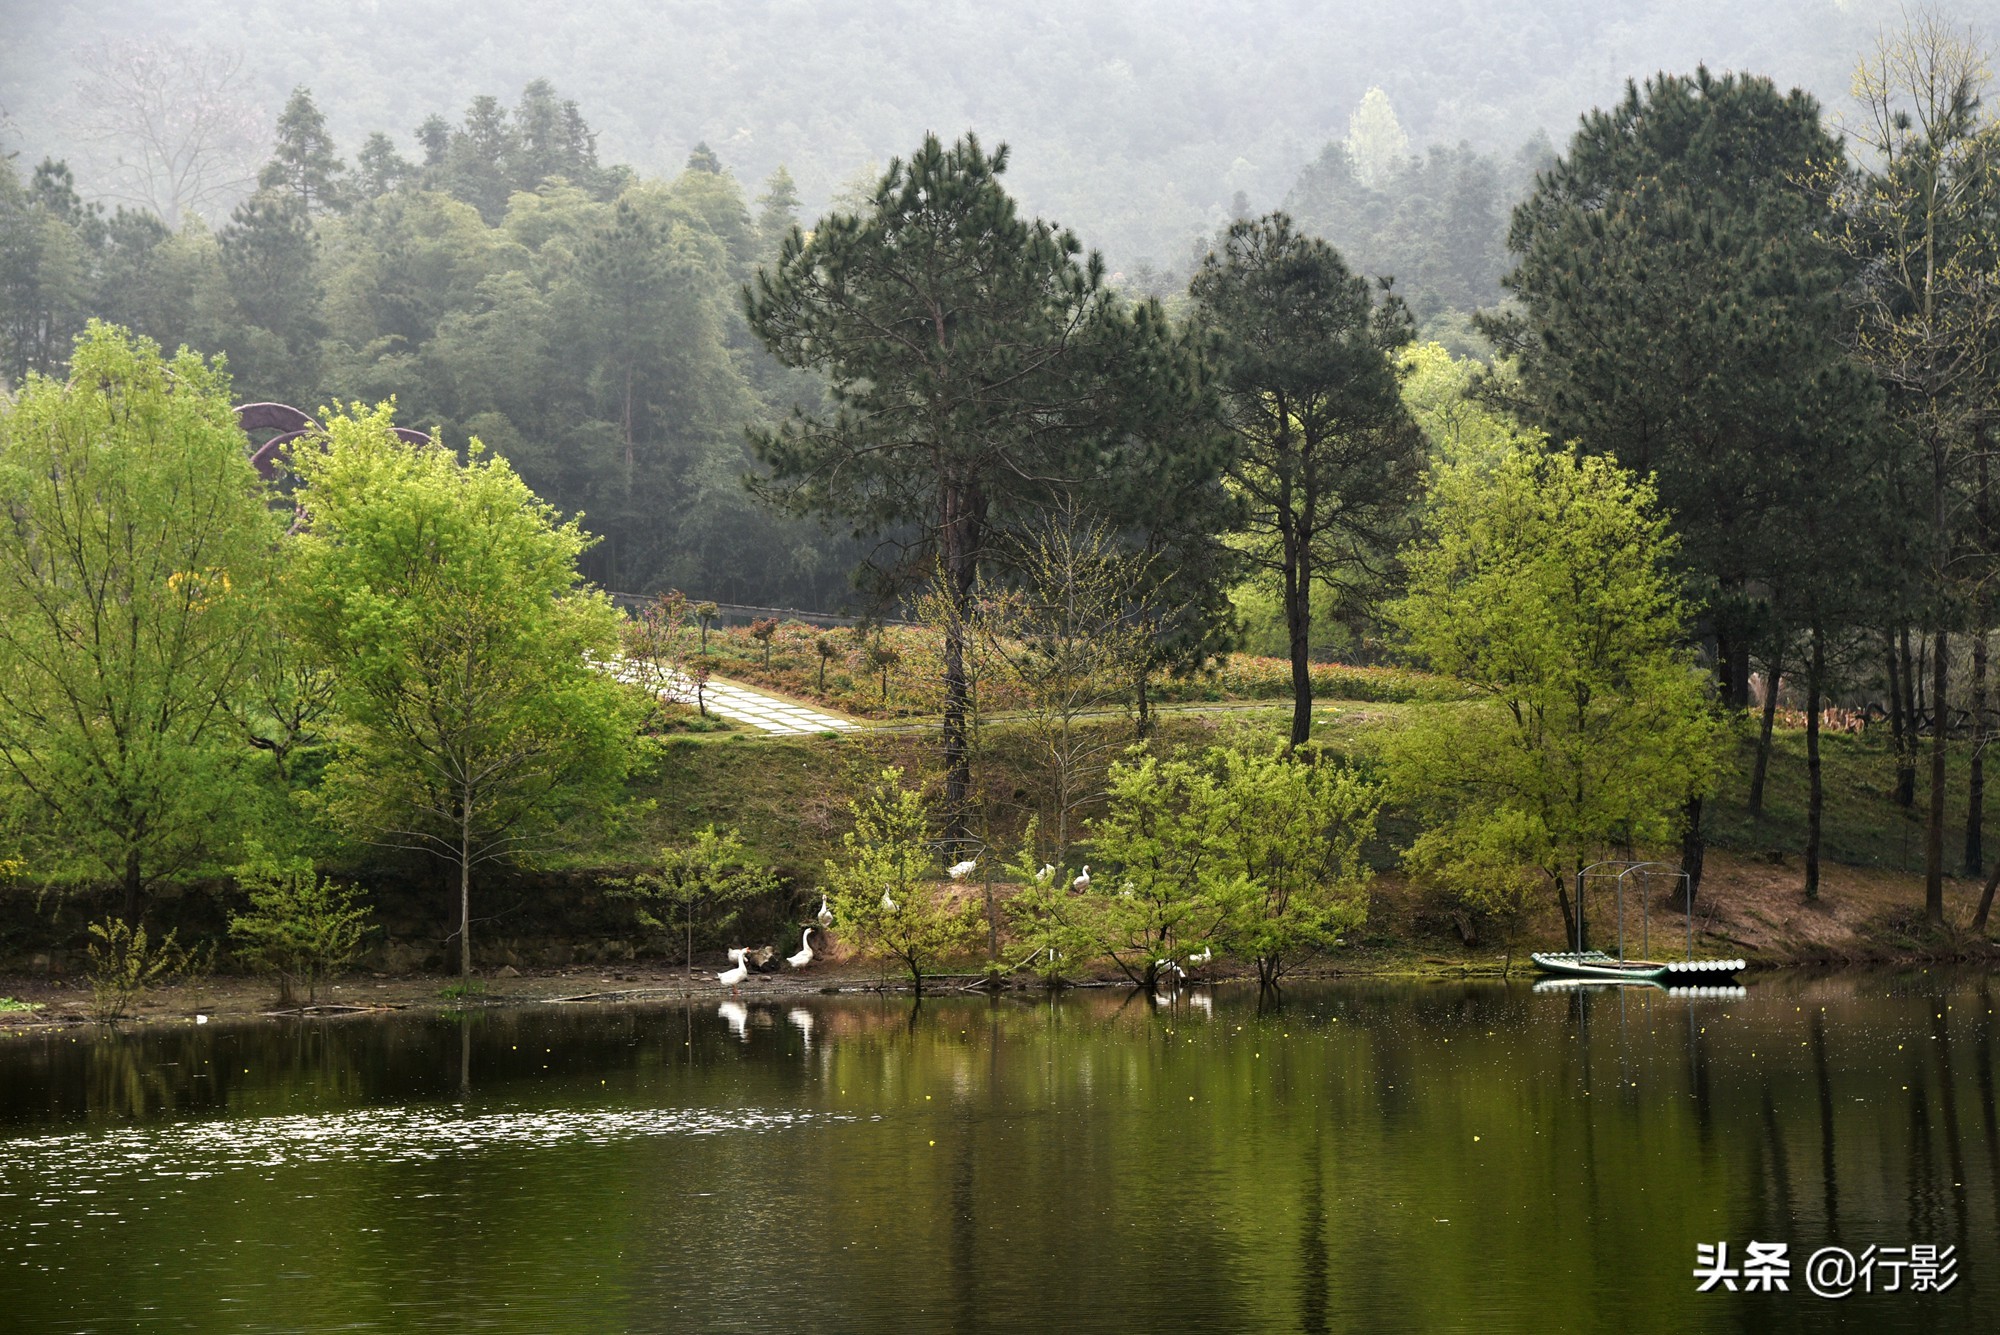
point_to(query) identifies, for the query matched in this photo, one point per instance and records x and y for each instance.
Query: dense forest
(504, 281)
(579, 320)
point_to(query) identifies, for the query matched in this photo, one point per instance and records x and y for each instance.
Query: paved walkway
(767, 712)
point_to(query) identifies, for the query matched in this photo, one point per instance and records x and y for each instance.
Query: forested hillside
(579, 320)
(1135, 125)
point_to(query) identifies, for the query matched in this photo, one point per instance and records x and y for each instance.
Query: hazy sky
(1133, 123)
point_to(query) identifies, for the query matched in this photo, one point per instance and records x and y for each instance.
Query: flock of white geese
(1172, 973)
(733, 976)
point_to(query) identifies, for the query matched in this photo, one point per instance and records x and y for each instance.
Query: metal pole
(1687, 898)
(1645, 914)
(1579, 911)
(1621, 927)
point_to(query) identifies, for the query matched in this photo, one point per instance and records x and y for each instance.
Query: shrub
(702, 885)
(124, 963)
(299, 926)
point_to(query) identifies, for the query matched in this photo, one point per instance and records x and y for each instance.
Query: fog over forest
(1135, 125)
(534, 226)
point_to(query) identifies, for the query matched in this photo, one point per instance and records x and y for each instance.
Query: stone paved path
(766, 712)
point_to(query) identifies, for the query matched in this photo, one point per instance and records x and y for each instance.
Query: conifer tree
(304, 168)
(1325, 456)
(978, 369)
(1678, 313)
(379, 168)
(777, 212)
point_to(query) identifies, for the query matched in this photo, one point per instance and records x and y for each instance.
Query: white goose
(732, 978)
(958, 871)
(888, 904)
(1200, 957)
(1082, 882)
(805, 955)
(825, 913)
(1043, 876)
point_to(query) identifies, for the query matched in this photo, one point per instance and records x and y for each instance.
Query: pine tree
(435, 136)
(475, 160)
(304, 167)
(1325, 455)
(777, 212)
(1680, 312)
(270, 257)
(978, 370)
(380, 169)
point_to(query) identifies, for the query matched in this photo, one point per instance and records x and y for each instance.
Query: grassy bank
(788, 797)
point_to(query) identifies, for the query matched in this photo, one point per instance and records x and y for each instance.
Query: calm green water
(1362, 1158)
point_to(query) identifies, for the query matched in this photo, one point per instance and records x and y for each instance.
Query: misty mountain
(1139, 126)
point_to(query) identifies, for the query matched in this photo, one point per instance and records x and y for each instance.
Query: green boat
(1600, 967)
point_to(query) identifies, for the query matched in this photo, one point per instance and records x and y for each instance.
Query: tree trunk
(1773, 671)
(1975, 802)
(1906, 758)
(1736, 674)
(1986, 901)
(1815, 792)
(465, 892)
(961, 565)
(1975, 805)
(1897, 723)
(1145, 705)
(1934, 823)
(1694, 845)
(1572, 937)
(133, 884)
(992, 916)
(1298, 630)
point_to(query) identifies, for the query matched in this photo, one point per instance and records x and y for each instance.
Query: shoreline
(65, 1004)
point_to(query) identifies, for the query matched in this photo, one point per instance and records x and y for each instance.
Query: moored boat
(1598, 966)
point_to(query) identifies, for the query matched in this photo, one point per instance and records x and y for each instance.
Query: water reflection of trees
(1227, 1156)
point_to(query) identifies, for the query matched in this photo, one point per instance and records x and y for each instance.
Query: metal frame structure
(288, 424)
(1646, 872)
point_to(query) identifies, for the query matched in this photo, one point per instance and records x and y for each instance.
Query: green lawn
(787, 795)
(1863, 825)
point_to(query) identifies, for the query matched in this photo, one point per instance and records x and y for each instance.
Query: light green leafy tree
(1168, 876)
(134, 569)
(702, 884)
(1442, 395)
(1046, 915)
(1543, 583)
(300, 925)
(887, 898)
(443, 596)
(1296, 827)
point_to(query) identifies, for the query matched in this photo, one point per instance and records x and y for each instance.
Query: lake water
(1368, 1158)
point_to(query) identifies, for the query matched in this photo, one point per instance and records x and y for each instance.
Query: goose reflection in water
(802, 1020)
